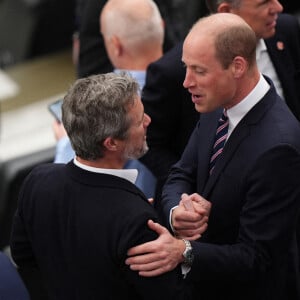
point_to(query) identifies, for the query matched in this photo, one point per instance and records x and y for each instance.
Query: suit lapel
(236, 138)
(239, 134)
(208, 124)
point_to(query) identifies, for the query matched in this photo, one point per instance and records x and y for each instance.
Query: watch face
(189, 257)
(188, 253)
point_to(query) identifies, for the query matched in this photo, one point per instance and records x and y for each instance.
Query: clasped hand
(165, 253)
(189, 219)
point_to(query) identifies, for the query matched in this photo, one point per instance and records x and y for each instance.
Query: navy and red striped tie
(220, 139)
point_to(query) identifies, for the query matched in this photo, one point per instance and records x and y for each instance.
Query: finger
(188, 204)
(202, 209)
(195, 233)
(199, 223)
(146, 266)
(189, 234)
(202, 201)
(161, 269)
(157, 227)
(184, 196)
(142, 249)
(152, 269)
(191, 221)
(151, 200)
(192, 230)
(141, 260)
(203, 228)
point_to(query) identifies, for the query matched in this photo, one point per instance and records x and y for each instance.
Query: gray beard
(136, 154)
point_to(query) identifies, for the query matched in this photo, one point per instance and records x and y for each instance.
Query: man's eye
(201, 72)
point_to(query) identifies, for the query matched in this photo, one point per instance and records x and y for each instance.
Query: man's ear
(117, 45)
(239, 66)
(110, 144)
(224, 8)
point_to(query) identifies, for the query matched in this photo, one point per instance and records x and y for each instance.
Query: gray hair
(213, 5)
(95, 108)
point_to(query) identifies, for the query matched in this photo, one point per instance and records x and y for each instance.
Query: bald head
(225, 19)
(229, 34)
(133, 33)
(134, 21)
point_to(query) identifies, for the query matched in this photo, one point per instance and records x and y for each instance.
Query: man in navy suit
(75, 222)
(249, 250)
(168, 103)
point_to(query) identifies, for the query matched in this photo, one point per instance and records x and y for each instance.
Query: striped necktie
(220, 138)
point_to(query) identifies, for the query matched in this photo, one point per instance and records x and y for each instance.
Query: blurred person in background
(178, 17)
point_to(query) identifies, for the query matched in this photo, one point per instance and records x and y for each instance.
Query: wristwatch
(188, 253)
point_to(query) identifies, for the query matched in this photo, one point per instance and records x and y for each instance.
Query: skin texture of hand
(191, 223)
(59, 130)
(156, 257)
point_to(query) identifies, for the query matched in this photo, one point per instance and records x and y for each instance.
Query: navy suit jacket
(75, 228)
(170, 107)
(249, 250)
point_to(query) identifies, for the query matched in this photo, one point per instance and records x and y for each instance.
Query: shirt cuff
(185, 269)
(170, 218)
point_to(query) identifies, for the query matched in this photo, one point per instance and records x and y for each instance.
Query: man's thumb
(156, 227)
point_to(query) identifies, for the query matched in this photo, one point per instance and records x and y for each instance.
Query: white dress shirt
(236, 113)
(266, 66)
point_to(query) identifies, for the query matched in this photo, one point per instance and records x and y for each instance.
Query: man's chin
(139, 154)
(142, 153)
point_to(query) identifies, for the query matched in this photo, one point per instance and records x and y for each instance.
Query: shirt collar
(260, 47)
(128, 174)
(237, 112)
